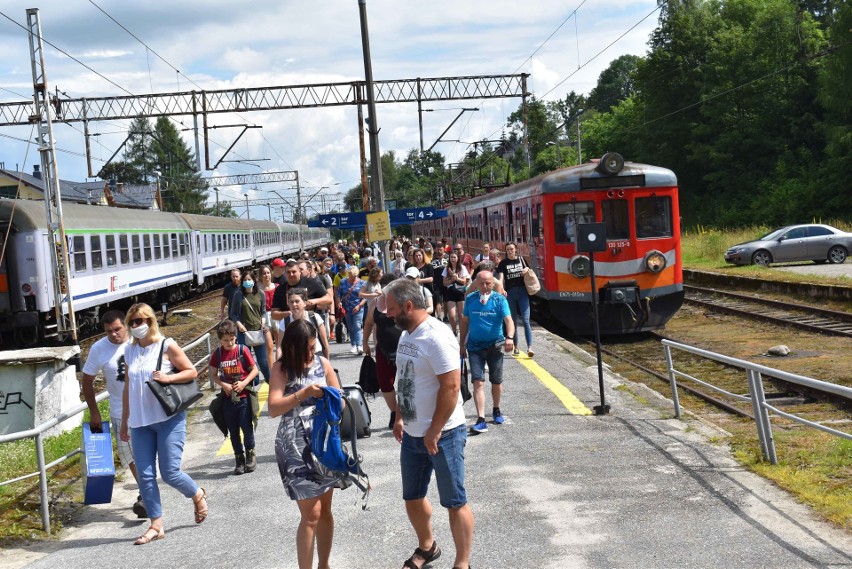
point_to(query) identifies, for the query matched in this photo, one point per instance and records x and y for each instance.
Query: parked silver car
(813, 242)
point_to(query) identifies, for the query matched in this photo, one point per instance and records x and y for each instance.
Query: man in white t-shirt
(430, 421)
(107, 356)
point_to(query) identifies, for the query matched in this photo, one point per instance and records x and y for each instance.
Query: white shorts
(125, 452)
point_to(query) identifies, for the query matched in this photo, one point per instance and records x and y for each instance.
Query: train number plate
(571, 294)
(618, 244)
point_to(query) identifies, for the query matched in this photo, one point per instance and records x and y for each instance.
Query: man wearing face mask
(483, 319)
(107, 356)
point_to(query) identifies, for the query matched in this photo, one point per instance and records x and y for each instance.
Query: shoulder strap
(160, 357)
(243, 359)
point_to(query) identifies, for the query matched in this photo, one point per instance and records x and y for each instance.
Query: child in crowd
(233, 369)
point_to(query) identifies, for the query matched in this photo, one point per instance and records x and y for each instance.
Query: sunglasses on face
(137, 321)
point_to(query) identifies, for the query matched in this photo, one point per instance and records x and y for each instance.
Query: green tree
(137, 151)
(122, 172)
(181, 184)
(615, 83)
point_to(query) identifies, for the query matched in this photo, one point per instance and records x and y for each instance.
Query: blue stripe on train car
(161, 278)
(88, 294)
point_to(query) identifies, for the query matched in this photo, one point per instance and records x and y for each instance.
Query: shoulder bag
(254, 337)
(174, 397)
(530, 280)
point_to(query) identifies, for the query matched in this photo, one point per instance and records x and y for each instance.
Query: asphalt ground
(551, 488)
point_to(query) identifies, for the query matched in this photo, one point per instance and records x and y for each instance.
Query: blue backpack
(326, 444)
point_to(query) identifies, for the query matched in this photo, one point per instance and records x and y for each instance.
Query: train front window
(566, 216)
(615, 216)
(653, 217)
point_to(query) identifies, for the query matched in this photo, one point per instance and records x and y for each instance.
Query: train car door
(196, 241)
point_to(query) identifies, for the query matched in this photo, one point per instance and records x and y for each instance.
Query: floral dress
(302, 475)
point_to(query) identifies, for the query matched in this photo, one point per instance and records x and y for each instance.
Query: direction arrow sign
(414, 214)
(354, 220)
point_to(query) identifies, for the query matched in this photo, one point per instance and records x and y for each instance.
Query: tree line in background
(747, 101)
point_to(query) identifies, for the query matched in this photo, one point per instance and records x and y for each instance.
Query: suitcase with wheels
(355, 401)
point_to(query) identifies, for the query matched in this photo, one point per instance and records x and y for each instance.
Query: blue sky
(219, 44)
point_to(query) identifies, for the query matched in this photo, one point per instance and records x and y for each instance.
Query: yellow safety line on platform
(568, 399)
(262, 395)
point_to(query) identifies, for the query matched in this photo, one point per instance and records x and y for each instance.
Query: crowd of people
(433, 306)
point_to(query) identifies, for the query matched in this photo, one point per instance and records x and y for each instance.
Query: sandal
(428, 557)
(148, 538)
(200, 514)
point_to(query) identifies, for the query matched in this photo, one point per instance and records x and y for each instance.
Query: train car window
(615, 214)
(110, 250)
(97, 252)
(146, 247)
(137, 250)
(524, 234)
(124, 249)
(174, 245)
(157, 249)
(536, 222)
(566, 216)
(79, 247)
(166, 250)
(653, 217)
(183, 244)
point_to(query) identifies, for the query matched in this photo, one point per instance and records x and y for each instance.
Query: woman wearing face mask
(246, 309)
(155, 436)
(267, 287)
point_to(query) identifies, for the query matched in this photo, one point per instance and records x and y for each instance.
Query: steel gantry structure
(204, 103)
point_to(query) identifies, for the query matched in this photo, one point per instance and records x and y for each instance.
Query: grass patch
(20, 514)
(813, 466)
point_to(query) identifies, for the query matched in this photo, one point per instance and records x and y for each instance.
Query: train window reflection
(653, 217)
(617, 219)
(174, 245)
(157, 247)
(79, 253)
(97, 255)
(567, 215)
(166, 253)
(110, 250)
(137, 250)
(146, 247)
(124, 249)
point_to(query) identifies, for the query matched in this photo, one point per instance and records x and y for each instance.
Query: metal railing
(757, 396)
(37, 433)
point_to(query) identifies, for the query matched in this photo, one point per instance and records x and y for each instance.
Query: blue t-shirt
(485, 320)
(348, 293)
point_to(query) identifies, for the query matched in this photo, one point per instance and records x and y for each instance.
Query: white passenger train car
(125, 255)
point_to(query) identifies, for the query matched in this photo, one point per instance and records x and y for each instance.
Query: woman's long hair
(294, 348)
(248, 273)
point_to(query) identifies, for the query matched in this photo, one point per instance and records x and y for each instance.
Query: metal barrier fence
(757, 397)
(38, 432)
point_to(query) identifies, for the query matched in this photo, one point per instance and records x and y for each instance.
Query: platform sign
(354, 220)
(415, 214)
(378, 226)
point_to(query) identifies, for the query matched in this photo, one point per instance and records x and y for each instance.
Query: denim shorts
(417, 466)
(493, 356)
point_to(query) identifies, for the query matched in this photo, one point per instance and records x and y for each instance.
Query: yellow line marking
(262, 395)
(568, 399)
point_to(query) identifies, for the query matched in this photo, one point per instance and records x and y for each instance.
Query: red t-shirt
(232, 367)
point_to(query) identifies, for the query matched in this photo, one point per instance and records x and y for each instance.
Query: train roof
(30, 215)
(213, 223)
(569, 180)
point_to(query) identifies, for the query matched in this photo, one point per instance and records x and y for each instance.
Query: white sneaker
(353, 350)
(360, 350)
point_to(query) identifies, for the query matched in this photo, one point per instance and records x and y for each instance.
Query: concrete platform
(551, 488)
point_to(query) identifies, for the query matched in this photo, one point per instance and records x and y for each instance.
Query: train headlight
(655, 261)
(580, 266)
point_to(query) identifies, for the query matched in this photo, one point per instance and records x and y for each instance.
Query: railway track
(809, 318)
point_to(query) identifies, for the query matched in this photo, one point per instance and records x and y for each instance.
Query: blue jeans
(164, 442)
(355, 323)
(493, 356)
(238, 418)
(519, 307)
(417, 466)
(260, 358)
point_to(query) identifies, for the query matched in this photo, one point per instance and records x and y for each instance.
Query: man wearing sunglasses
(107, 356)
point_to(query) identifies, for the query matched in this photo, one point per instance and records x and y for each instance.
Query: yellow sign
(378, 226)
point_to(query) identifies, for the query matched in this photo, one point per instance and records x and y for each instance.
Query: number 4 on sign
(420, 214)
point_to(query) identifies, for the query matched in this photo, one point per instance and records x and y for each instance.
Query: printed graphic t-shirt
(431, 350)
(231, 366)
(104, 356)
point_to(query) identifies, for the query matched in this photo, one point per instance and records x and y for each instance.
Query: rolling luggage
(355, 401)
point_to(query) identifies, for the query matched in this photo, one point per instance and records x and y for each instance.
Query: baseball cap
(412, 272)
(323, 250)
(278, 262)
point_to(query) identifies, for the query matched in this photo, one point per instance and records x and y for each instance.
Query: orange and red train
(639, 277)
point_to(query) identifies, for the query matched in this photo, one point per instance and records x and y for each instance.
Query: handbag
(174, 397)
(531, 281)
(464, 387)
(255, 337)
(367, 379)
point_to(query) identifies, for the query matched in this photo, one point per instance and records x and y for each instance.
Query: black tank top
(387, 334)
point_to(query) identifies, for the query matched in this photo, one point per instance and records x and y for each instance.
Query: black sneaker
(240, 467)
(139, 508)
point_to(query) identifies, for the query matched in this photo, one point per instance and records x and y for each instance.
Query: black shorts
(452, 294)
